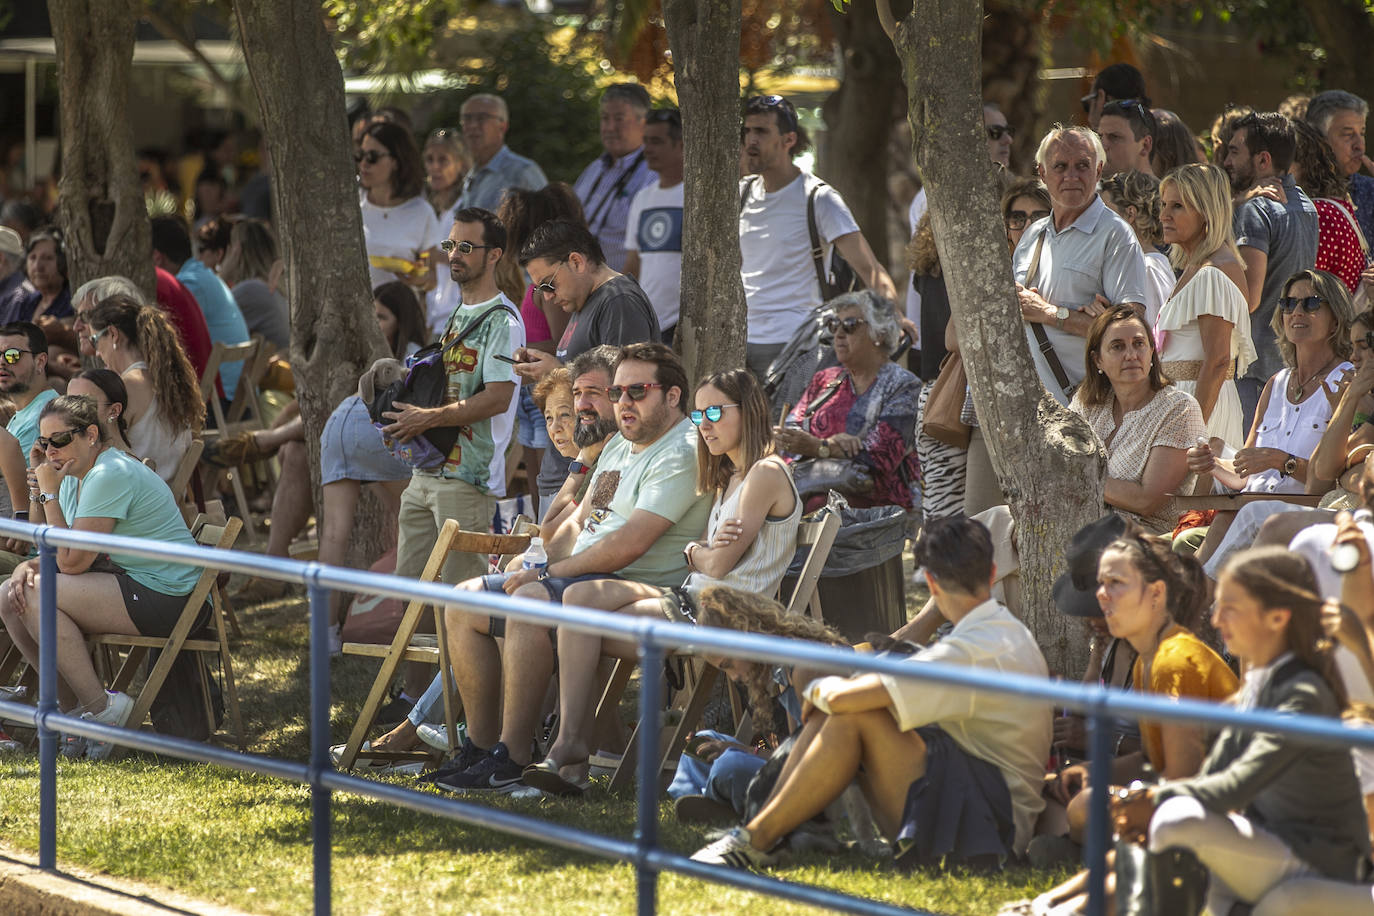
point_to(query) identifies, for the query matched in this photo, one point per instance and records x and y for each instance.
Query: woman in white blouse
(400, 230)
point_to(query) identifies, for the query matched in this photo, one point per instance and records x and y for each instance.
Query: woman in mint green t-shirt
(80, 482)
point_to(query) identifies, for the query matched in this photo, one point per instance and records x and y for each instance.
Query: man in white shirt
(653, 233)
(910, 744)
(780, 275)
(610, 182)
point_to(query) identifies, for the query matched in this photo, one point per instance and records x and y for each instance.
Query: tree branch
(166, 28)
(885, 17)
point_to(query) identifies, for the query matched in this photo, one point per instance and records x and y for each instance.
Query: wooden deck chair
(816, 534)
(244, 412)
(407, 647)
(136, 648)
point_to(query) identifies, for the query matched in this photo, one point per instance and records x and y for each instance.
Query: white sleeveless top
(1294, 428)
(151, 437)
(761, 568)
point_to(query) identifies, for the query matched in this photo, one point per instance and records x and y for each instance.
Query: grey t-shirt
(617, 313)
(264, 311)
(1287, 234)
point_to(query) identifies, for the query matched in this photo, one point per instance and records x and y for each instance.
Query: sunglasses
(1140, 108)
(59, 440)
(1017, 219)
(95, 338)
(547, 287)
(849, 325)
(774, 103)
(369, 156)
(449, 246)
(13, 354)
(665, 116)
(712, 413)
(1309, 303)
(998, 131)
(637, 392)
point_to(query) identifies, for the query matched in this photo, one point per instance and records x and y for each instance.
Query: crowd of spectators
(1204, 308)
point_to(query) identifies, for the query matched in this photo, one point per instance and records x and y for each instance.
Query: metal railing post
(646, 836)
(47, 702)
(319, 741)
(1099, 828)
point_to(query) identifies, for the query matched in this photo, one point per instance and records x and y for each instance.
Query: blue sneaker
(468, 754)
(495, 773)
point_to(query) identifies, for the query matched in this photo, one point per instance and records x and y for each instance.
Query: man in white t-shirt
(653, 233)
(779, 273)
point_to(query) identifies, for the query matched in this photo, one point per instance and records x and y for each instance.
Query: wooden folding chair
(136, 648)
(406, 646)
(244, 413)
(816, 534)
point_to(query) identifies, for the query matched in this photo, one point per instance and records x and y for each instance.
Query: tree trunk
(334, 336)
(100, 203)
(705, 36)
(1046, 457)
(859, 118)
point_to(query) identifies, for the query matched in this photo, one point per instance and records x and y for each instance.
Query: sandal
(545, 777)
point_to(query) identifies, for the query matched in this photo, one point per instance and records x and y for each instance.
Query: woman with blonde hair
(165, 408)
(1203, 330)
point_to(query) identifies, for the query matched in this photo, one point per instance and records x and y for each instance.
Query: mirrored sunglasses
(449, 246)
(58, 440)
(712, 413)
(850, 324)
(13, 355)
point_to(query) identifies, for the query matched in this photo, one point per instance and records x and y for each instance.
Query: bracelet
(687, 554)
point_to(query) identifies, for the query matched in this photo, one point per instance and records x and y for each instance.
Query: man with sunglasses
(1117, 81)
(777, 202)
(1276, 239)
(610, 182)
(641, 510)
(1127, 129)
(24, 378)
(653, 233)
(495, 168)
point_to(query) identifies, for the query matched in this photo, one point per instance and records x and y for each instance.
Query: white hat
(10, 243)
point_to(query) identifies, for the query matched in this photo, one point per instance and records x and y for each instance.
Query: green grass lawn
(244, 840)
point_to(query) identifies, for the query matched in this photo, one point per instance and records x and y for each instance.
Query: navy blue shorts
(555, 585)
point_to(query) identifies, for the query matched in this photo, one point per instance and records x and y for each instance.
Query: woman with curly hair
(1134, 196)
(165, 407)
(1342, 248)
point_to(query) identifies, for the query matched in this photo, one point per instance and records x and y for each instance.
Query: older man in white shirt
(950, 774)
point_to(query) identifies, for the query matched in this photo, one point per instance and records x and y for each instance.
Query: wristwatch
(1290, 467)
(577, 467)
(1061, 314)
(823, 450)
(44, 498)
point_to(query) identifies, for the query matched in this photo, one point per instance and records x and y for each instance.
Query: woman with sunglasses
(750, 538)
(84, 484)
(863, 410)
(1279, 824)
(400, 230)
(1203, 331)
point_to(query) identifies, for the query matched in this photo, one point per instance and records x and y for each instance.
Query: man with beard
(24, 378)
(591, 373)
(641, 511)
(1276, 239)
(481, 389)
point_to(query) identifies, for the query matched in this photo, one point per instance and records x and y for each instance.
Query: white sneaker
(118, 707)
(435, 735)
(335, 642)
(734, 849)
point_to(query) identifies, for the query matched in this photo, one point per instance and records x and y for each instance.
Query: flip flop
(545, 777)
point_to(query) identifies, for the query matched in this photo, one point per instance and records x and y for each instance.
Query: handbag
(820, 475)
(1168, 883)
(425, 384)
(945, 404)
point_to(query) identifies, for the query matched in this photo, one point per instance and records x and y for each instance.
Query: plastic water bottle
(535, 557)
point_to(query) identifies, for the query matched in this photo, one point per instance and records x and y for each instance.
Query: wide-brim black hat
(1075, 592)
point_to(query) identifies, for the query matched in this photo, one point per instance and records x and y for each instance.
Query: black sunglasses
(449, 246)
(850, 324)
(760, 103)
(665, 116)
(1140, 108)
(369, 156)
(13, 354)
(1017, 219)
(58, 440)
(998, 131)
(712, 413)
(1309, 303)
(637, 392)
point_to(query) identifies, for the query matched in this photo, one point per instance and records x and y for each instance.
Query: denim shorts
(529, 420)
(556, 586)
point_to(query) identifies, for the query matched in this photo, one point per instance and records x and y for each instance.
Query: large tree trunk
(705, 36)
(100, 203)
(1046, 457)
(334, 335)
(859, 118)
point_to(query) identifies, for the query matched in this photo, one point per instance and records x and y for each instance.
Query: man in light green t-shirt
(640, 511)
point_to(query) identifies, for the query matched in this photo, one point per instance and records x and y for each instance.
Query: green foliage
(553, 99)
(391, 35)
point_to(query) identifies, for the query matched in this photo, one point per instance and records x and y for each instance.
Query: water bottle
(535, 557)
(1345, 558)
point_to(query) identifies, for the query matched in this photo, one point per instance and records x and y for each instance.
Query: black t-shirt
(617, 312)
(934, 317)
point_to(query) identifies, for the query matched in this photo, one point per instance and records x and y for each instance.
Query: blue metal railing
(1100, 705)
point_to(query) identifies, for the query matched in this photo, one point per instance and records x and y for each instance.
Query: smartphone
(507, 359)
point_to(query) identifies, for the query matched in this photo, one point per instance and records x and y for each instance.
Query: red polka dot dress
(1338, 243)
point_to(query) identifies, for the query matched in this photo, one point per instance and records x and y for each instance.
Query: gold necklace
(1303, 387)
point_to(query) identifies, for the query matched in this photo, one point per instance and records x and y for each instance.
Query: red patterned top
(1338, 245)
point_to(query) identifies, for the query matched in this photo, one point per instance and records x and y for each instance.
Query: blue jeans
(725, 779)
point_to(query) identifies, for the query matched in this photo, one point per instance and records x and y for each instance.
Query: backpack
(841, 277)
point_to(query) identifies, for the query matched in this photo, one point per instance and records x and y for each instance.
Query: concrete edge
(26, 889)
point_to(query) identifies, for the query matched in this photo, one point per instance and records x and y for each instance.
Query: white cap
(10, 242)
